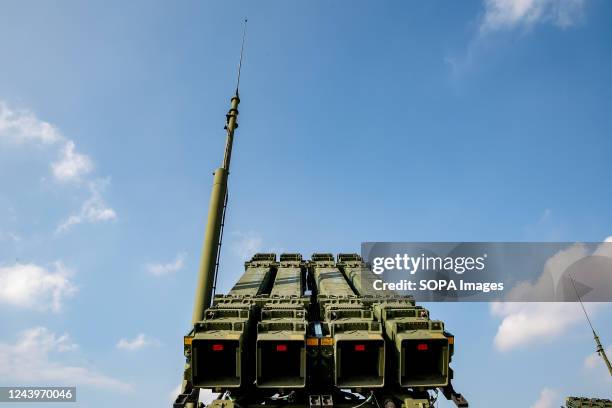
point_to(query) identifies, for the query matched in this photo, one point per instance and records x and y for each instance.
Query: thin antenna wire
(241, 52)
(600, 350)
(581, 304)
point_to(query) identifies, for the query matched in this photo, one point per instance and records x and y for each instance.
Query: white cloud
(525, 324)
(246, 244)
(509, 14)
(159, 269)
(513, 15)
(35, 287)
(206, 395)
(72, 165)
(139, 342)
(23, 126)
(548, 399)
(93, 210)
(32, 359)
(547, 285)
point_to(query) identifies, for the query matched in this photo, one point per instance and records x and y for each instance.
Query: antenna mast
(241, 52)
(600, 350)
(211, 250)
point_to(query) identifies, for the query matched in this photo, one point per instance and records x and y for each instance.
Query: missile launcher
(306, 332)
(300, 328)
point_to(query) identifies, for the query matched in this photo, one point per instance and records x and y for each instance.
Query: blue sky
(359, 121)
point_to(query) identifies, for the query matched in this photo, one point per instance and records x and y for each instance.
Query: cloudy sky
(360, 121)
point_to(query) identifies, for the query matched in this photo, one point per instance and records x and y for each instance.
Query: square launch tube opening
(216, 363)
(281, 363)
(424, 362)
(360, 363)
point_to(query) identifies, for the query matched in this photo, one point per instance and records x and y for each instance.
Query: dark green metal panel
(256, 277)
(328, 278)
(289, 281)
